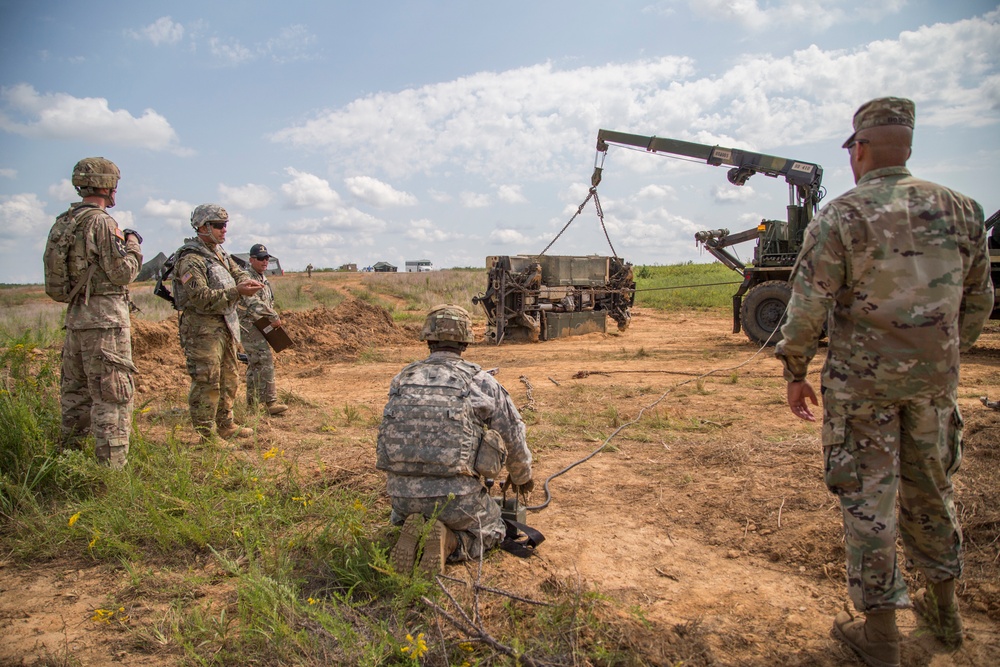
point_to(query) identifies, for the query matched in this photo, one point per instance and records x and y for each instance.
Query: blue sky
(340, 132)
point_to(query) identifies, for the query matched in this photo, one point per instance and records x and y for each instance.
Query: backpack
(56, 258)
(165, 274)
(429, 427)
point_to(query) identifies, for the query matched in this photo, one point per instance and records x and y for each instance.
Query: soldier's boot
(441, 541)
(938, 607)
(404, 552)
(230, 431)
(276, 408)
(875, 638)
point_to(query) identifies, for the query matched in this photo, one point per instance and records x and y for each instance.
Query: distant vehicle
(759, 303)
(419, 265)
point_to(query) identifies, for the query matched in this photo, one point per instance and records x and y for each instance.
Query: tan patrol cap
(883, 111)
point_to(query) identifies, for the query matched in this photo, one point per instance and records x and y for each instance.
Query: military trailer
(541, 297)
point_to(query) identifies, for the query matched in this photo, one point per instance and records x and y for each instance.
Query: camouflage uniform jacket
(117, 262)
(493, 406)
(261, 304)
(904, 266)
(205, 280)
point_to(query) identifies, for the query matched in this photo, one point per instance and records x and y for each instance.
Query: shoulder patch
(186, 277)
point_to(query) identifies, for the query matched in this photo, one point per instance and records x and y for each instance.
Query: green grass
(676, 286)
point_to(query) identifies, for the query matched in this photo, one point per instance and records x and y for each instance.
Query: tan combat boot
(404, 553)
(441, 541)
(234, 431)
(938, 607)
(875, 638)
(276, 408)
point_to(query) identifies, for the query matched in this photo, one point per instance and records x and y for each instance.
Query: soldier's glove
(525, 488)
(137, 235)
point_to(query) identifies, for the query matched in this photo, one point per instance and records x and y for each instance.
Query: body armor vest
(429, 427)
(219, 278)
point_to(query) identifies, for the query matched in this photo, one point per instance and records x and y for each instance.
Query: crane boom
(806, 177)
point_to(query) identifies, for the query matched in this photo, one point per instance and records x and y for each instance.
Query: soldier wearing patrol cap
(902, 265)
(261, 389)
(447, 426)
(89, 263)
(207, 284)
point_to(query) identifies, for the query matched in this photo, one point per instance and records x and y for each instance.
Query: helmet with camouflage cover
(92, 173)
(208, 213)
(448, 322)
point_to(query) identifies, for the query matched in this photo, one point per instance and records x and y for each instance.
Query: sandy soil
(706, 520)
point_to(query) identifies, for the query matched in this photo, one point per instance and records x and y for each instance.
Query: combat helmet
(92, 173)
(448, 322)
(208, 213)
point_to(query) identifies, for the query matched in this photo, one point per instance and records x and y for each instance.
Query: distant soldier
(447, 426)
(207, 284)
(261, 389)
(898, 267)
(89, 262)
(309, 271)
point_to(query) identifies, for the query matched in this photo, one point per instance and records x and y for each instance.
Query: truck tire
(763, 311)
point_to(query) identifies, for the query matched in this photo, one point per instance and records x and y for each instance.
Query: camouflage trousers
(260, 370)
(96, 391)
(210, 351)
(475, 519)
(875, 451)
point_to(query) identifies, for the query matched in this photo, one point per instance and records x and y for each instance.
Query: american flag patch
(186, 277)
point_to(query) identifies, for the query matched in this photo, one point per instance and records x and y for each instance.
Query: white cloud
(249, 196)
(508, 237)
(810, 15)
(294, 43)
(177, 213)
(474, 200)
(727, 194)
(511, 194)
(541, 121)
(375, 192)
(424, 231)
(230, 50)
(22, 215)
(161, 31)
(60, 116)
(8, 173)
(655, 192)
(307, 190)
(63, 191)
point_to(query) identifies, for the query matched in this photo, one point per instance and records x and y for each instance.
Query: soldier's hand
(249, 287)
(132, 232)
(798, 395)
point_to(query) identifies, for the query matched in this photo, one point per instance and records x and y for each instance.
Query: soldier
(902, 264)
(89, 263)
(207, 283)
(309, 271)
(448, 425)
(261, 389)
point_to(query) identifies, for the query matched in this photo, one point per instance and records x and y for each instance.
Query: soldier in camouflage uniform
(447, 426)
(97, 371)
(261, 389)
(207, 283)
(899, 268)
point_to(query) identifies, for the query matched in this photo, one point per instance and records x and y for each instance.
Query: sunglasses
(218, 225)
(857, 141)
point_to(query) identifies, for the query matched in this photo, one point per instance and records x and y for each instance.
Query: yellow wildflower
(97, 536)
(415, 648)
(102, 615)
(271, 453)
(73, 519)
(312, 601)
(358, 506)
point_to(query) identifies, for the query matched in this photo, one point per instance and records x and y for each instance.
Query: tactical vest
(219, 278)
(68, 271)
(429, 427)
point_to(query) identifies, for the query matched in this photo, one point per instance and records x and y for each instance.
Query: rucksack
(429, 427)
(164, 275)
(56, 258)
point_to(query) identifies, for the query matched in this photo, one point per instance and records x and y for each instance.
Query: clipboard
(276, 337)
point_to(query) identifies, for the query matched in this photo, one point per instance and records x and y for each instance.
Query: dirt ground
(707, 519)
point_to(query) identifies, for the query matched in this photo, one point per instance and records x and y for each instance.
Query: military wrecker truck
(993, 243)
(759, 302)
